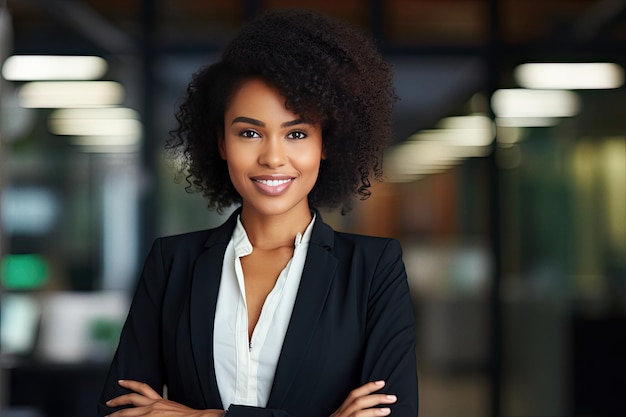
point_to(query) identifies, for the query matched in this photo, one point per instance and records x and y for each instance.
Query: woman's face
(273, 155)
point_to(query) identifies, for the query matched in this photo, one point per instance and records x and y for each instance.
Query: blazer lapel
(204, 289)
(317, 276)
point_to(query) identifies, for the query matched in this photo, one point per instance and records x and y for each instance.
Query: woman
(274, 313)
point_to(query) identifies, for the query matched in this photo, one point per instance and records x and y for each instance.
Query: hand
(147, 402)
(361, 400)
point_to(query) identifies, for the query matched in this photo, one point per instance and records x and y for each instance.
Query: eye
(248, 133)
(297, 134)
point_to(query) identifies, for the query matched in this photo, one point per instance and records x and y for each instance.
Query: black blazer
(352, 323)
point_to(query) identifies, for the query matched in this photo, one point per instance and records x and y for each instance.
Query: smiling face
(273, 155)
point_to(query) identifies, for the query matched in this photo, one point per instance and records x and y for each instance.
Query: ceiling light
(569, 76)
(471, 130)
(53, 67)
(435, 150)
(96, 113)
(526, 121)
(116, 141)
(109, 121)
(535, 103)
(95, 127)
(70, 94)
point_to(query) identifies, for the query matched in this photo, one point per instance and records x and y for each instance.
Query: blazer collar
(205, 284)
(223, 233)
(317, 276)
(322, 235)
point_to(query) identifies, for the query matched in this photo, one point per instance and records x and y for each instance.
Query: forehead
(255, 91)
(254, 86)
(256, 97)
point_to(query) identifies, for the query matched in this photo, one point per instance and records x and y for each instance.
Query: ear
(323, 153)
(221, 145)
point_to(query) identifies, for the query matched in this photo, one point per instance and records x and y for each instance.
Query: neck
(272, 232)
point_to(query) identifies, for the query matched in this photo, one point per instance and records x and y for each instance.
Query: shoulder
(196, 238)
(366, 244)
(193, 243)
(373, 263)
(366, 253)
(188, 246)
(345, 246)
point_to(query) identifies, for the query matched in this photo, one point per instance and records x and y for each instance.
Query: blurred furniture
(54, 390)
(599, 366)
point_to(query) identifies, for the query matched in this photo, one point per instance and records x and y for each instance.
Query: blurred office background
(505, 182)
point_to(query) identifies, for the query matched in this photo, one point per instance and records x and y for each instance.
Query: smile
(273, 183)
(273, 187)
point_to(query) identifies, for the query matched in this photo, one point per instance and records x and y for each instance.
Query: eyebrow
(242, 119)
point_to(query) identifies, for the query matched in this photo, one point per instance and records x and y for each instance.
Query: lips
(273, 186)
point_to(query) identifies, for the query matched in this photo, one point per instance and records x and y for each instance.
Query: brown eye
(297, 134)
(249, 134)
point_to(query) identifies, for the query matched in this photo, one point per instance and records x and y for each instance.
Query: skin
(273, 159)
(264, 143)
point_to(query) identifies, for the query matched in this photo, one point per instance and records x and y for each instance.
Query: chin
(277, 208)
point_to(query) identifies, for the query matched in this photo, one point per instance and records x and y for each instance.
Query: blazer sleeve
(136, 357)
(390, 332)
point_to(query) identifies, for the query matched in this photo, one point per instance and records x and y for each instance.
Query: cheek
(236, 157)
(311, 157)
(236, 167)
(311, 162)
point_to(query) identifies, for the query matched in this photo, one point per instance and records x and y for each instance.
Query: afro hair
(327, 72)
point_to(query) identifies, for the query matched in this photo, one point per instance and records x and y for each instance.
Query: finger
(373, 412)
(369, 412)
(128, 412)
(130, 399)
(140, 387)
(373, 400)
(362, 398)
(362, 391)
(366, 389)
(368, 402)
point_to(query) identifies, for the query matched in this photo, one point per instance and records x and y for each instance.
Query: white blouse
(245, 368)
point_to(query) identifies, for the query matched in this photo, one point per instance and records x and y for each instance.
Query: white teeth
(273, 183)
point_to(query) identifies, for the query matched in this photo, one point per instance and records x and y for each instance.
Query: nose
(273, 153)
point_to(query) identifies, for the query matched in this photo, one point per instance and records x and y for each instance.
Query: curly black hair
(327, 71)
